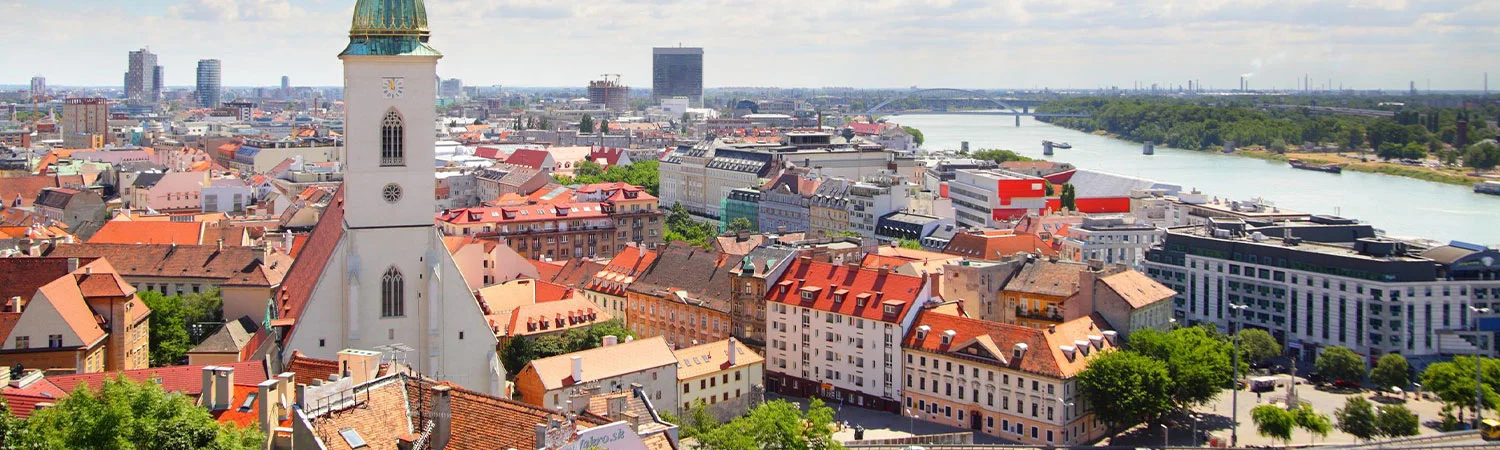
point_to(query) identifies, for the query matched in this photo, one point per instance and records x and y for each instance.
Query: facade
(1128, 300)
(1165, 209)
(1038, 290)
(599, 225)
(38, 87)
(828, 209)
(229, 195)
(700, 176)
(569, 380)
(750, 279)
(509, 179)
(210, 83)
(835, 332)
(985, 198)
(143, 82)
(264, 155)
(677, 72)
(1329, 281)
(246, 276)
(1111, 239)
(683, 297)
(375, 271)
(741, 203)
(784, 202)
(71, 314)
(977, 286)
(607, 287)
(724, 376)
(1008, 381)
(82, 210)
(85, 122)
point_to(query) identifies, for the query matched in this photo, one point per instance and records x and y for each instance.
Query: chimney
(223, 388)
(541, 436)
(205, 396)
(611, 340)
(442, 411)
(72, 265)
(284, 386)
(577, 369)
(732, 351)
(221, 245)
(361, 365)
(16, 304)
(267, 397)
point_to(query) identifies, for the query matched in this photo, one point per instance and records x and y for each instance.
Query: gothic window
(393, 140)
(392, 294)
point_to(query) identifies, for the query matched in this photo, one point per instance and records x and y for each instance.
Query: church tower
(390, 116)
(384, 279)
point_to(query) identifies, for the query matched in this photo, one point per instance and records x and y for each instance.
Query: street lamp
(1164, 435)
(1234, 431)
(1196, 419)
(1478, 373)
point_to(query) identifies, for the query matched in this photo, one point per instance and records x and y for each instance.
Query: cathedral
(374, 274)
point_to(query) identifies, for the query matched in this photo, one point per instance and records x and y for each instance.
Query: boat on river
(1330, 168)
(1488, 187)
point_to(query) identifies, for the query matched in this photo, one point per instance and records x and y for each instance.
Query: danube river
(1400, 206)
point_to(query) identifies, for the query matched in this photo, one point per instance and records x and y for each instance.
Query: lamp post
(1234, 431)
(1478, 373)
(1164, 435)
(1196, 419)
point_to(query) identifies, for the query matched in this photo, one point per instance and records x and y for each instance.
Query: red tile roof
(621, 271)
(308, 368)
(490, 153)
(20, 277)
(133, 232)
(24, 190)
(994, 246)
(187, 380)
(302, 277)
(22, 405)
(819, 282)
(243, 417)
(528, 157)
(242, 266)
(504, 215)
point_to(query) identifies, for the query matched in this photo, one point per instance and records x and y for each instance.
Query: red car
(1346, 384)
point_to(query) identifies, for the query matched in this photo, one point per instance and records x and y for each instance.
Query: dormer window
(922, 332)
(948, 337)
(1019, 351)
(891, 309)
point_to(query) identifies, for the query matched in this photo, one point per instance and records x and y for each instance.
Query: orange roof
(996, 342)
(996, 244)
(243, 416)
(187, 380)
(1137, 289)
(621, 270)
(133, 232)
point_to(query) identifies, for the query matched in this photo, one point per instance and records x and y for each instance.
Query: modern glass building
(677, 72)
(210, 83)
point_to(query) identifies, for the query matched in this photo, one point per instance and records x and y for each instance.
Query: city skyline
(889, 44)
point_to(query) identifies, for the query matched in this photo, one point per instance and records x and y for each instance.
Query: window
(392, 294)
(23, 342)
(393, 140)
(54, 340)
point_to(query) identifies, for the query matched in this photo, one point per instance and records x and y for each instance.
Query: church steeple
(389, 28)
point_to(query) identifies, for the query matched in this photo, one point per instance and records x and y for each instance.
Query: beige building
(725, 376)
(245, 276)
(71, 315)
(570, 380)
(607, 287)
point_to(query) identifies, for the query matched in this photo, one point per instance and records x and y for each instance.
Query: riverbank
(1460, 176)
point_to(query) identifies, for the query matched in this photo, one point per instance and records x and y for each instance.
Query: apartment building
(1111, 239)
(1330, 281)
(569, 380)
(750, 279)
(724, 376)
(683, 297)
(607, 287)
(565, 230)
(71, 314)
(983, 198)
(1016, 383)
(834, 331)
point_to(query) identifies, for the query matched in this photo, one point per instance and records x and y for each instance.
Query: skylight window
(352, 438)
(249, 402)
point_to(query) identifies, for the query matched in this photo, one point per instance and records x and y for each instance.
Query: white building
(374, 272)
(983, 198)
(226, 195)
(1112, 238)
(1163, 209)
(835, 331)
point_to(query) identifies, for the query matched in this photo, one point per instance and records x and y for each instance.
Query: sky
(1023, 44)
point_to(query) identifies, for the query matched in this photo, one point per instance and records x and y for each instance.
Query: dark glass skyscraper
(143, 81)
(210, 83)
(677, 72)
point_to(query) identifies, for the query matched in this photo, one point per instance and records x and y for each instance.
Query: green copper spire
(389, 28)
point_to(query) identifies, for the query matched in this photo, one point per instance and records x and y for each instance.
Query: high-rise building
(286, 86)
(85, 122)
(38, 87)
(143, 81)
(210, 83)
(610, 93)
(453, 88)
(677, 71)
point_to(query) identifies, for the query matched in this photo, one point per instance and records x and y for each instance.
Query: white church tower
(389, 282)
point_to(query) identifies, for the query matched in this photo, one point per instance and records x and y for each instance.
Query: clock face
(393, 87)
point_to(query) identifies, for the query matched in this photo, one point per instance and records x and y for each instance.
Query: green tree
(1453, 382)
(1357, 418)
(1047, 187)
(586, 124)
(603, 125)
(1126, 388)
(1354, 137)
(580, 339)
(998, 156)
(698, 421)
(740, 224)
(1069, 198)
(1391, 371)
(777, 424)
(1278, 146)
(1273, 422)
(1396, 421)
(910, 244)
(207, 309)
(168, 329)
(1340, 363)
(127, 415)
(682, 227)
(686, 122)
(1482, 157)
(916, 135)
(1200, 363)
(1308, 419)
(1257, 345)
(523, 349)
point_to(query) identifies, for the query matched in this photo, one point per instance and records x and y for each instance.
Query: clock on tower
(393, 88)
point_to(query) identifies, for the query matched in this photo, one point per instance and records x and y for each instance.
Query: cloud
(234, 10)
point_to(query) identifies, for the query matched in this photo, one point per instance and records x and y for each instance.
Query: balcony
(1051, 315)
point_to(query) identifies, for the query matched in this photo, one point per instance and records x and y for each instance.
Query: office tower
(677, 72)
(452, 88)
(210, 83)
(38, 87)
(286, 86)
(143, 81)
(85, 122)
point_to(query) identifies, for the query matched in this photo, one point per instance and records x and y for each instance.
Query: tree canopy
(173, 319)
(586, 124)
(1341, 363)
(682, 227)
(523, 349)
(1357, 418)
(774, 425)
(1482, 157)
(1257, 345)
(1200, 364)
(1126, 388)
(1069, 197)
(125, 415)
(1390, 371)
(998, 155)
(1453, 381)
(1273, 422)
(1315, 423)
(639, 173)
(740, 224)
(916, 135)
(1396, 421)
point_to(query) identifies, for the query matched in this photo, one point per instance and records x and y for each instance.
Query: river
(1400, 206)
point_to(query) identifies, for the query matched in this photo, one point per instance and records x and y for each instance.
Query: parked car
(1346, 384)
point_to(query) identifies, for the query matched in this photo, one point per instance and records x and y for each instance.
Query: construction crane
(607, 75)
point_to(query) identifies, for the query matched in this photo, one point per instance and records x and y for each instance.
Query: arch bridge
(1002, 107)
